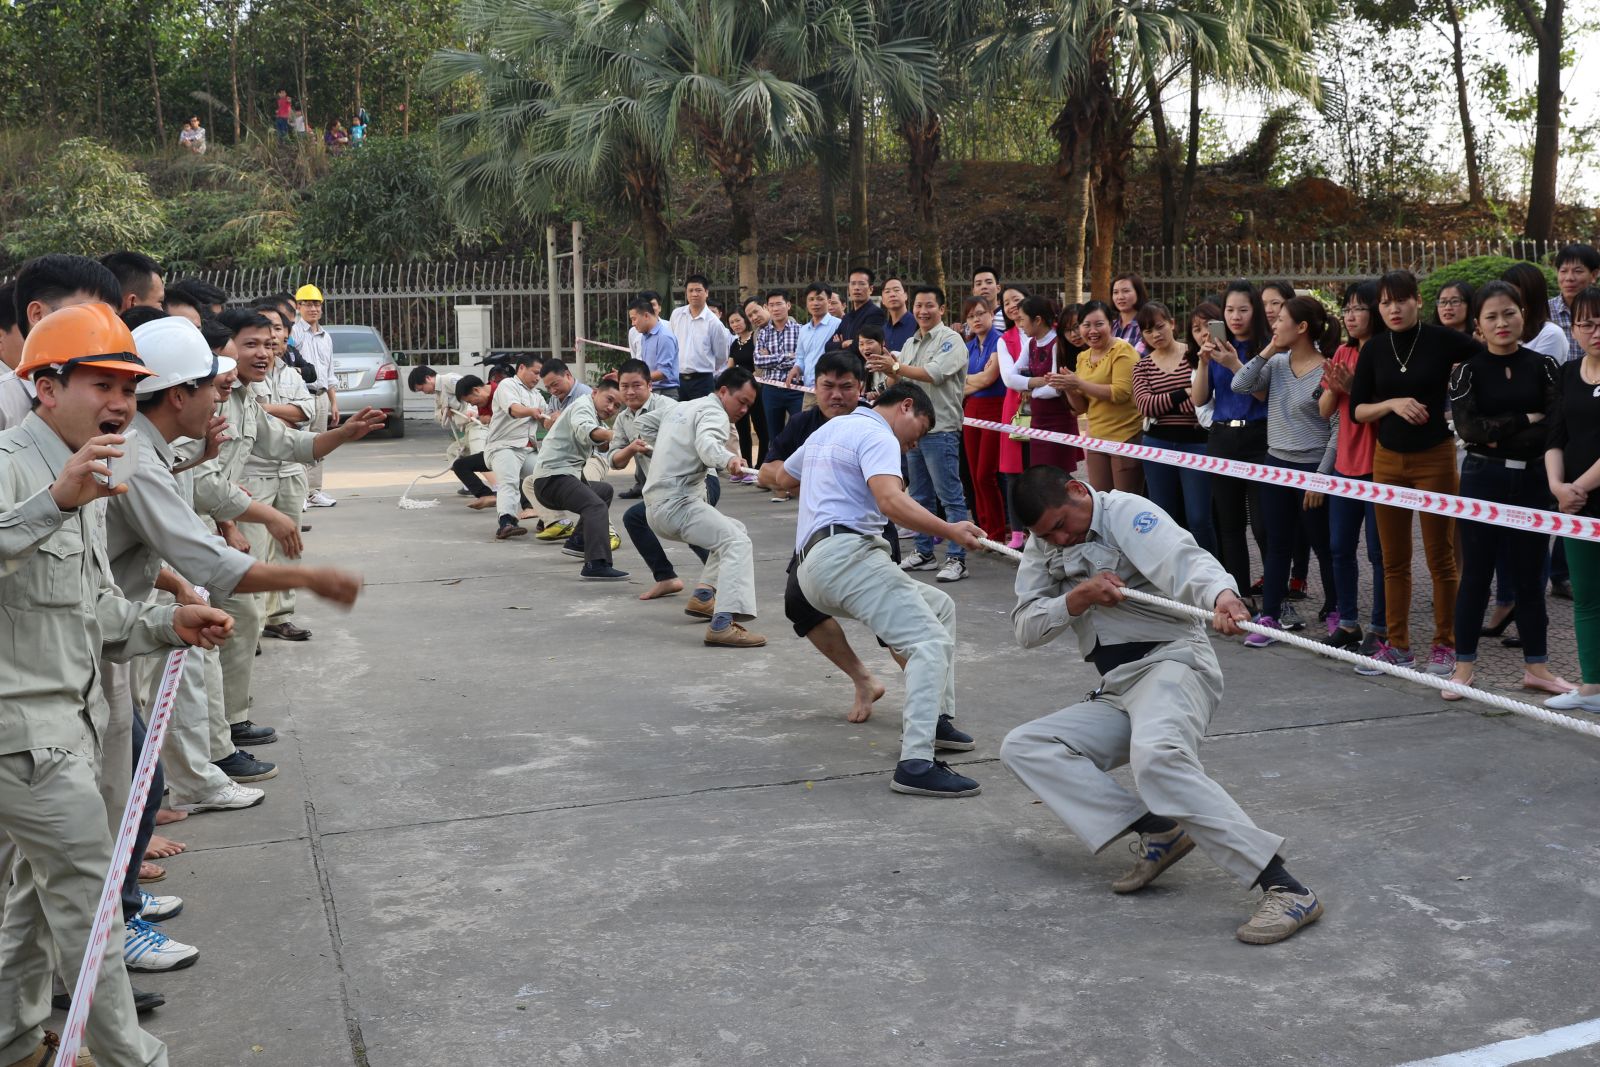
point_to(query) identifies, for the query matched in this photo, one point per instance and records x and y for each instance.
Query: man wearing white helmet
(316, 347)
(156, 521)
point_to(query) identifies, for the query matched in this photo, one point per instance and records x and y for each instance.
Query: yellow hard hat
(308, 292)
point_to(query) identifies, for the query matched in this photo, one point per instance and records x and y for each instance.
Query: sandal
(150, 872)
(1445, 694)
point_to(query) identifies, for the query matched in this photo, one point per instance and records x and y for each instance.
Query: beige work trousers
(319, 422)
(730, 568)
(186, 758)
(290, 498)
(1150, 714)
(51, 808)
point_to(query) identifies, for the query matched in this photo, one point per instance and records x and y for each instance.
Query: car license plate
(346, 381)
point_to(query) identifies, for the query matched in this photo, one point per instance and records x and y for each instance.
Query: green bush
(85, 199)
(1476, 271)
(216, 228)
(380, 203)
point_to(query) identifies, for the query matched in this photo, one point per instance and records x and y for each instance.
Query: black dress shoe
(287, 631)
(631, 493)
(142, 1002)
(1561, 588)
(1500, 627)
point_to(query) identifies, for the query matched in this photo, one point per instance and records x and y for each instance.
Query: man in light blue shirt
(814, 337)
(848, 474)
(657, 347)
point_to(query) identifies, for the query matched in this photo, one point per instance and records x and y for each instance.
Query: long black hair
(1260, 332)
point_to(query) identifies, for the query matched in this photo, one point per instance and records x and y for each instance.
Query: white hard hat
(176, 350)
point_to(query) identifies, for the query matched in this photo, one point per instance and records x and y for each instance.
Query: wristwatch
(894, 368)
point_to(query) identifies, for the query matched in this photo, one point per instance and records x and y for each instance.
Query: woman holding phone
(1100, 388)
(1036, 318)
(1238, 423)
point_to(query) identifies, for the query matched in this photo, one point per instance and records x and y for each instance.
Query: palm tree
(538, 140)
(1106, 61)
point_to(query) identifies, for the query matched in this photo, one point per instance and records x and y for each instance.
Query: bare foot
(161, 848)
(150, 872)
(660, 589)
(527, 513)
(167, 815)
(867, 694)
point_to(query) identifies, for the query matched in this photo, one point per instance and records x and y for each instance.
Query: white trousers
(730, 568)
(511, 466)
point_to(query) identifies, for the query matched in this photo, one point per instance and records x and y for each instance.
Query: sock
(703, 594)
(507, 520)
(721, 621)
(1274, 876)
(1152, 824)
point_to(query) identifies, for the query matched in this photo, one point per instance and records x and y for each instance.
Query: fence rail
(412, 304)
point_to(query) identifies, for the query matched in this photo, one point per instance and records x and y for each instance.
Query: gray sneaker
(1290, 618)
(919, 561)
(954, 569)
(1154, 853)
(1279, 915)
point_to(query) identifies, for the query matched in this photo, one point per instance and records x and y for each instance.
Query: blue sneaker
(1155, 852)
(1279, 915)
(931, 778)
(948, 738)
(155, 909)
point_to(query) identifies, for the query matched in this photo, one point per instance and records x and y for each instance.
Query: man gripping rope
(1160, 683)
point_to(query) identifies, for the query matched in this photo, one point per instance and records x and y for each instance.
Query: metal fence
(412, 304)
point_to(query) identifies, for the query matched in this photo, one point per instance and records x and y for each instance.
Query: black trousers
(467, 468)
(1235, 502)
(592, 503)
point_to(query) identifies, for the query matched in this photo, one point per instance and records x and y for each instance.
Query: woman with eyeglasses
(1572, 467)
(1401, 384)
(1453, 308)
(1353, 460)
(1499, 399)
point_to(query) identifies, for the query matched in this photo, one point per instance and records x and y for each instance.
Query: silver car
(365, 375)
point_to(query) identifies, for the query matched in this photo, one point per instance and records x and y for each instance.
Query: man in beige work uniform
(61, 613)
(509, 448)
(692, 439)
(282, 486)
(252, 432)
(1160, 682)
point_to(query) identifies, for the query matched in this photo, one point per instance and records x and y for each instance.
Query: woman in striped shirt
(1300, 437)
(1162, 385)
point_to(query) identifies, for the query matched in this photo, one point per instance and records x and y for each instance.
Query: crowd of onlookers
(336, 137)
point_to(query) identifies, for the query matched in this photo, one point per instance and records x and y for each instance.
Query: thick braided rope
(1493, 700)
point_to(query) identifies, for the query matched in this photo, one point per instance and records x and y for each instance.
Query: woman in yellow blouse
(1102, 389)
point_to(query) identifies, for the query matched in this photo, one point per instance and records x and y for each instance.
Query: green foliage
(381, 203)
(225, 228)
(1476, 271)
(85, 198)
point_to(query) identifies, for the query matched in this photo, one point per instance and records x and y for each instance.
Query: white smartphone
(1218, 330)
(123, 466)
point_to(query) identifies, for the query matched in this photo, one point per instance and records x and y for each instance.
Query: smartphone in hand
(1218, 331)
(123, 466)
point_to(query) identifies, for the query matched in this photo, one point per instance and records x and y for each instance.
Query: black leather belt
(695, 374)
(826, 532)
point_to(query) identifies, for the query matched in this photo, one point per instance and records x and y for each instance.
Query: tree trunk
(233, 72)
(303, 85)
(1191, 162)
(653, 233)
(405, 123)
(1110, 212)
(1547, 33)
(923, 136)
(827, 204)
(1166, 162)
(155, 89)
(859, 235)
(1469, 136)
(1072, 166)
(739, 185)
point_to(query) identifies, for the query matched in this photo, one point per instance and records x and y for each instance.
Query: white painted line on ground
(1520, 1049)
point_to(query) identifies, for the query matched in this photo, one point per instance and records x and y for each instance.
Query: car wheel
(396, 426)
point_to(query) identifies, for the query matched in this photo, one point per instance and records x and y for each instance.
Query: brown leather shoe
(700, 609)
(286, 631)
(735, 636)
(510, 530)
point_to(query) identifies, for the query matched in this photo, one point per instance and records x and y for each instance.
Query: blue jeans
(648, 545)
(1345, 520)
(1174, 488)
(780, 405)
(935, 467)
(1283, 514)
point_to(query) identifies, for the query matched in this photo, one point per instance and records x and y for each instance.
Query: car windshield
(356, 342)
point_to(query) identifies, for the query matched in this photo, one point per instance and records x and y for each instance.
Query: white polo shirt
(834, 466)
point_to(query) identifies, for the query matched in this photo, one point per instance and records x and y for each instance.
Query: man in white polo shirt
(848, 473)
(702, 340)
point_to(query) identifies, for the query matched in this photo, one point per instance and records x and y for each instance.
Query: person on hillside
(1402, 383)
(358, 131)
(193, 136)
(283, 112)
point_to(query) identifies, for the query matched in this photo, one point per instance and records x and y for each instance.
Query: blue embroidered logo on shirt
(948, 345)
(1145, 521)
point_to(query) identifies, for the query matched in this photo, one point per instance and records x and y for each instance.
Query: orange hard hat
(83, 335)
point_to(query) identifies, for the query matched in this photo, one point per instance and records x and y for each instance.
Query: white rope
(407, 504)
(1494, 700)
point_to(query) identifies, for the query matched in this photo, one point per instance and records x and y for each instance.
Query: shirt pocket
(54, 577)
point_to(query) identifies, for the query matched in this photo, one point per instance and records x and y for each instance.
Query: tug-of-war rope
(1465, 508)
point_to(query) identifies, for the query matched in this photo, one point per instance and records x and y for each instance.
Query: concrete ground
(526, 820)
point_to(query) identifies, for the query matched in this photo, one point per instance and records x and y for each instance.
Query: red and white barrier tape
(110, 909)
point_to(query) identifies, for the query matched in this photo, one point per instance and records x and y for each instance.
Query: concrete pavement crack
(352, 1022)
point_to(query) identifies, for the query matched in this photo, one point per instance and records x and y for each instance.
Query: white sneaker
(954, 570)
(918, 561)
(1574, 701)
(319, 499)
(231, 797)
(148, 949)
(153, 908)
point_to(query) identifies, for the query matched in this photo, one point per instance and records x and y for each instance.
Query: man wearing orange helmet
(62, 614)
